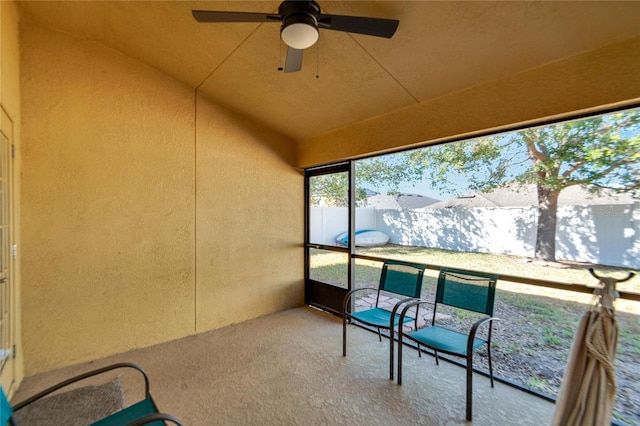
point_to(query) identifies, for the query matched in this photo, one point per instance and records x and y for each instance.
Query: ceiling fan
(301, 20)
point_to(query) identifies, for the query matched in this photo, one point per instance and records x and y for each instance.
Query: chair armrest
(474, 330)
(398, 305)
(82, 377)
(408, 306)
(154, 418)
(347, 296)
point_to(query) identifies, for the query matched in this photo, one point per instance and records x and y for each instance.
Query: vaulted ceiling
(439, 48)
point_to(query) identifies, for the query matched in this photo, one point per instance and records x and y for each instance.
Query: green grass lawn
(331, 267)
(500, 264)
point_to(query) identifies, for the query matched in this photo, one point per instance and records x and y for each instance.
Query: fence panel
(326, 223)
(599, 234)
(437, 228)
(498, 230)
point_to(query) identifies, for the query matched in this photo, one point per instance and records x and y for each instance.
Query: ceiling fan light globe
(299, 35)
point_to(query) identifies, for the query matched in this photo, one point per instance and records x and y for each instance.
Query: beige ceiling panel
(584, 83)
(442, 47)
(162, 34)
(351, 84)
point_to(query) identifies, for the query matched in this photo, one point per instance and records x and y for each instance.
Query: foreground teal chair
(396, 279)
(471, 291)
(144, 412)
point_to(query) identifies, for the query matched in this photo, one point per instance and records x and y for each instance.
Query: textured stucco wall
(608, 76)
(250, 220)
(10, 104)
(119, 249)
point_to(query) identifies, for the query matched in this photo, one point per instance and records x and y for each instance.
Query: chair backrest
(468, 290)
(401, 278)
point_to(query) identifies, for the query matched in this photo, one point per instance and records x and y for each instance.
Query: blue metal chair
(471, 291)
(396, 279)
(144, 412)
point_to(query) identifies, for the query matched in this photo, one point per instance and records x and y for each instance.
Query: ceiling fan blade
(293, 62)
(213, 16)
(378, 27)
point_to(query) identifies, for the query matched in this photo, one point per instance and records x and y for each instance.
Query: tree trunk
(547, 218)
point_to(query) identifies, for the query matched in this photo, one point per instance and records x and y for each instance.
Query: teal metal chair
(396, 279)
(470, 291)
(144, 412)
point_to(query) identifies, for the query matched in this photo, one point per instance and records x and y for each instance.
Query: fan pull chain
(318, 60)
(280, 68)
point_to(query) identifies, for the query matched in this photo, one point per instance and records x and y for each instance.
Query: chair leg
(436, 354)
(392, 335)
(416, 329)
(344, 335)
(400, 358)
(379, 335)
(469, 384)
(490, 366)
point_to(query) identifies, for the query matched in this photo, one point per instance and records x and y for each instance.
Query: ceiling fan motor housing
(299, 23)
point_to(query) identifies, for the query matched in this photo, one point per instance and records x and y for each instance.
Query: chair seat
(378, 317)
(5, 408)
(444, 339)
(130, 414)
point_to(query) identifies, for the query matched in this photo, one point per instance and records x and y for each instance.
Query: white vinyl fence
(599, 234)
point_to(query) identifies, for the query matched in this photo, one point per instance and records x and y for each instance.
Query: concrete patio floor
(287, 369)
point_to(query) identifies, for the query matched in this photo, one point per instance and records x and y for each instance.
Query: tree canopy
(598, 153)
